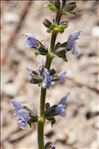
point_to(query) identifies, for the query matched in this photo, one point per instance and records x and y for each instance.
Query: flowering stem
(41, 119)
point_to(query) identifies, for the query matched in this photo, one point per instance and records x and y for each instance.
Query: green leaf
(64, 44)
(68, 13)
(57, 28)
(60, 28)
(36, 80)
(51, 111)
(42, 50)
(61, 54)
(33, 119)
(73, 13)
(51, 7)
(52, 120)
(58, 45)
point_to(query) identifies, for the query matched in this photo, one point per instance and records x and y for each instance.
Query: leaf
(50, 111)
(33, 119)
(73, 12)
(58, 45)
(61, 54)
(36, 80)
(35, 73)
(51, 7)
(42, 50)
(57, 28)
(52, 120)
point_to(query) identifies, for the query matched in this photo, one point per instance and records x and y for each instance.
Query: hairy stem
(41, 119)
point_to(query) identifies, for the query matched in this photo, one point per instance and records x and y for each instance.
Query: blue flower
(47, 79)
(60, 108)
(61, 75)
(21, 113)
(72, 41)
(30, 40)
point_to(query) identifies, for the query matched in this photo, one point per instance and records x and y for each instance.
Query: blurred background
(79, 129)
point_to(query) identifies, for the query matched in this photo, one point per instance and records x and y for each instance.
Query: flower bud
(47, 23)
(70, 7)
(56, 4)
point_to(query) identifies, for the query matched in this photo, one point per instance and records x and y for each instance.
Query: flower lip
(30, 40)
(47, 82)
(63, 100)
(16, 105)
(61, 75)
(60, 108)
(72, 41)
(21, 113)
(28, 35)
(75, 35)
(21, 124)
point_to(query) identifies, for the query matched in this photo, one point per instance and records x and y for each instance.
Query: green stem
(41, 119)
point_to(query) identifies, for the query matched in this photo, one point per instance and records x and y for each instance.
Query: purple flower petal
(53, 147)
(21, 124)
(62, 75)
(74, 35)
(74, 50)
(63, 100)
(60, 108)
(22, 114)
(30, 40)
(47, 79)
(71, 42)
(16, 105)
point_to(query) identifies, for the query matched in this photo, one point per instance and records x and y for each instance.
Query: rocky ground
(80, 128)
